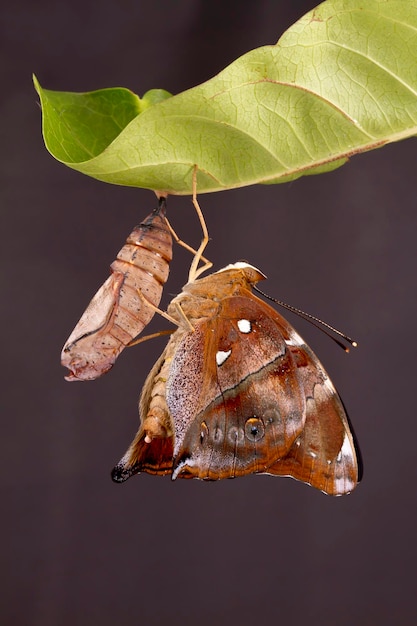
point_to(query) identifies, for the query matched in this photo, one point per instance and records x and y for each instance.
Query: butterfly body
(119, 310)
(237, 391)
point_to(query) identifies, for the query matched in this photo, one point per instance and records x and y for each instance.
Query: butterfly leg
(180, 242)
(156, 309)
(183, 316)
(160, 333)
(195, 271)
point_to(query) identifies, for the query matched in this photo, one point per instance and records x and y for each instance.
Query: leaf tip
(36, 83)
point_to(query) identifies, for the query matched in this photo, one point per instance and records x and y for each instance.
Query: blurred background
(81, 550)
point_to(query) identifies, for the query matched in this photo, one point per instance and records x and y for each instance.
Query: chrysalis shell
(119, 312)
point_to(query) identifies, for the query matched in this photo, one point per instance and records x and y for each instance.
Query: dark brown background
(81, 550)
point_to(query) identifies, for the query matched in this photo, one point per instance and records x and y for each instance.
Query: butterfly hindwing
(325, 455)
(154, 458)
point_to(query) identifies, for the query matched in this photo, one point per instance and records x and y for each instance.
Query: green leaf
(342, 80)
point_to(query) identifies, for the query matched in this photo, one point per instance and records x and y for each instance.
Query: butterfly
(125, 303)
(237, 391)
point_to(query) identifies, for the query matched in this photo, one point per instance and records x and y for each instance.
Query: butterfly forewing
(250, 405)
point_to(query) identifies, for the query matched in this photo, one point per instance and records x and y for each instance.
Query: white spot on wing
(180, 466)
(294, 340)
(240, 265)
(345, 451)
(222, 356)
(346, 448)
(344, 484)
(244, 326)
(328, 383)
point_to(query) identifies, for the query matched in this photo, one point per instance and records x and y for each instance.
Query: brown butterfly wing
(154, 458)
(239, 405)
(325, 455)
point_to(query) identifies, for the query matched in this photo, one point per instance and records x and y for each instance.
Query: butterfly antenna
(317, 322)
